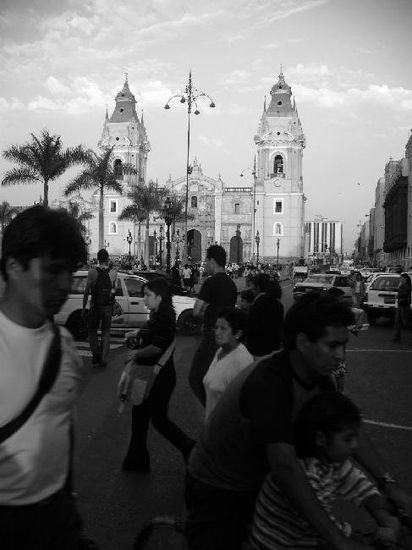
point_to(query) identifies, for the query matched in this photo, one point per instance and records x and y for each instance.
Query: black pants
(155, 408)
(51, 524)
(200, 365)
(218, 519)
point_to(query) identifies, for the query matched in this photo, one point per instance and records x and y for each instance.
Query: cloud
(211, 142)
(397, 98)
(13, 103)
(73, 98)
(271, 46)
(236, 76)
(274, 11)
(154, 92)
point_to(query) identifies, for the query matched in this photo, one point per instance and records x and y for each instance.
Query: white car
(322, 282)
(129, 294)
(381, 296)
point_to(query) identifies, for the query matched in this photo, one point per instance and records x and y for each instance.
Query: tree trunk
(46, 194)
(101, 220)
(139, 239)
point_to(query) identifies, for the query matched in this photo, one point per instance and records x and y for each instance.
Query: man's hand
(399, 498)
(388, 532)
(130, 339)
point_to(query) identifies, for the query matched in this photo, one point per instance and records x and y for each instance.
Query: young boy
(41, 249)
(326, 432)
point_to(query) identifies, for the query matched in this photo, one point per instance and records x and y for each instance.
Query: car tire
(186, 324)
(77, 325)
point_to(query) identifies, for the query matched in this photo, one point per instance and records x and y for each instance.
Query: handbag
(117, 309)
(146, 375)
(48, 376)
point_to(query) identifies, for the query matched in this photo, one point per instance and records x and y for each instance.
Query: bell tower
(127, 134)
(279, 188)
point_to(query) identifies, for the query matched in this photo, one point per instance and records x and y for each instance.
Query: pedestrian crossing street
(84, 349)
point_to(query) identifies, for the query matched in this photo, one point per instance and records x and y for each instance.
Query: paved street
(115, 504)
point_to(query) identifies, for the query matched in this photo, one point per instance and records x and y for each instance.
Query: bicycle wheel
(162, 533)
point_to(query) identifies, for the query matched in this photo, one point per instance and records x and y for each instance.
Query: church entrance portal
(194, 245)
(236, 250)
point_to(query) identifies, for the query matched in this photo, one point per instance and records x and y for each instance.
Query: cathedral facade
(264, 218)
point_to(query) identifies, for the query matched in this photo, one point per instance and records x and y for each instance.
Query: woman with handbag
(154, 354)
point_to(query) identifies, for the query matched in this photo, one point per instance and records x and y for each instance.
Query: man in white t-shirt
(41, 248)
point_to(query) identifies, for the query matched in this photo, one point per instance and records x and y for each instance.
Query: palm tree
(7, 213)
(101, 175)
(41, 160)
(146, 199)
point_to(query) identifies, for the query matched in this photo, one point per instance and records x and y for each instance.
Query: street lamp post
(167, 214)
(189, 95)
(257, 239)
(238, 233)
(254, 174)
(155, 244)
(88, 242)
(277, 252)
(160, 246)
(129, 240)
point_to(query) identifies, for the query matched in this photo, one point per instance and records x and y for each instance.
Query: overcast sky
(348, 62)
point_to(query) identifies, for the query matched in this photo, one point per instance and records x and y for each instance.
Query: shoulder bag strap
(166, 355)
(48, 376)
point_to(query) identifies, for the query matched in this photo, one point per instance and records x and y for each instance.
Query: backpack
(102, 291)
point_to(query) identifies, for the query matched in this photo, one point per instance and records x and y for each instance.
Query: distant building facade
(324, 239)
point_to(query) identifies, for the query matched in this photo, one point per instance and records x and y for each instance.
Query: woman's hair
(329, 413)
(161, 288)
(235, 317)
(247, 295)
(264, 283)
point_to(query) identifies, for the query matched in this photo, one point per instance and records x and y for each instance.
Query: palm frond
(20, 175)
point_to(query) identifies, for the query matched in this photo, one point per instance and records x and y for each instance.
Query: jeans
(200, 365)
(217, 519)
(51, 524)
(155, 408)
(100, 316)
(401, 320)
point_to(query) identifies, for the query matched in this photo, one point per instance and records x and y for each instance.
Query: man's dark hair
(311, 314)
(217, 253)
(103, 255)
(329, 413)
(38, 231)
(235, 317)
(266, 284)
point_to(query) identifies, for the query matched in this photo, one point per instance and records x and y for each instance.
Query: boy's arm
(293, 482)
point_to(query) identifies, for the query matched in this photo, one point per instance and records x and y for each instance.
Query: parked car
(322, 282)
(129, 294)
(381, 296)
(149, 275)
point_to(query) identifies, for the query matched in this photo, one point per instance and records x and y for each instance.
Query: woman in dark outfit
(154, 339)
(265, 319)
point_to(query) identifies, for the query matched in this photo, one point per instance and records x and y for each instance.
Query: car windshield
(385, 283)
(322, 279)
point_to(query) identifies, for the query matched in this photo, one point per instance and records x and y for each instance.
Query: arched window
(193, 202)
(277, 229)
(278, 165)
(113, 228)
(118, 169)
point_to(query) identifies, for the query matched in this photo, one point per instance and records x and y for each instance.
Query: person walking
(403, 311)
(231, 356)
(101, 281)
(250, 433)
(39, 380)
(358, 291)
(153, 342)
(265, 322)
(187, 276)
(217, 291)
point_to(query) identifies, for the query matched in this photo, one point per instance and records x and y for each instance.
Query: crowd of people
(277, 437)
